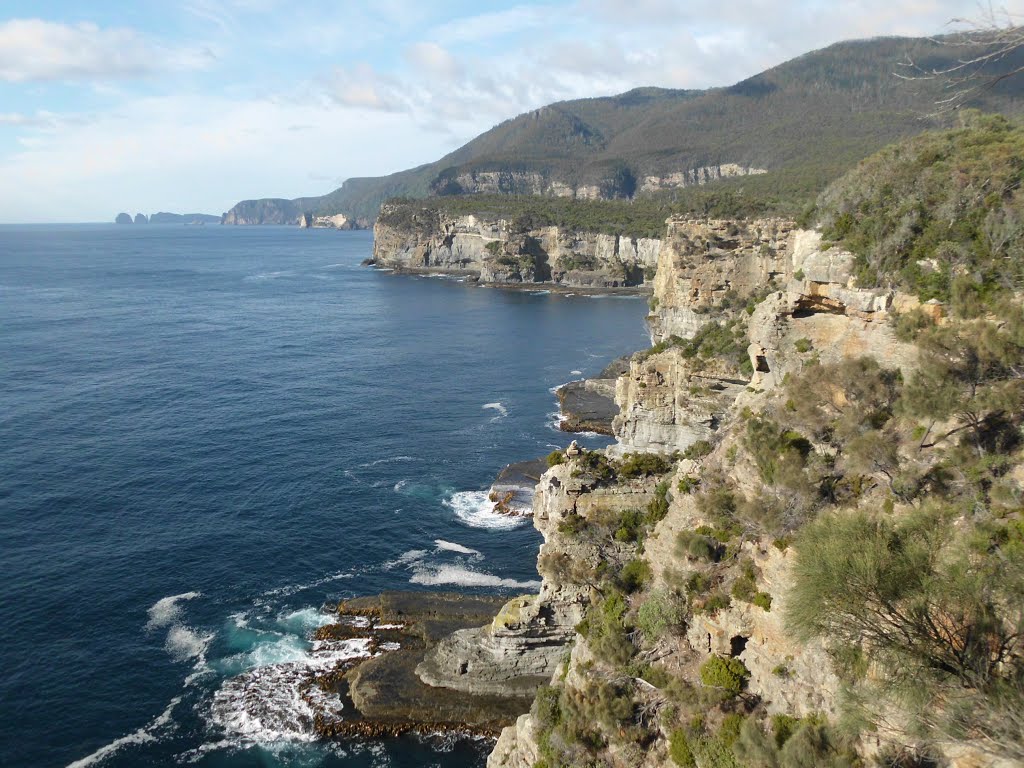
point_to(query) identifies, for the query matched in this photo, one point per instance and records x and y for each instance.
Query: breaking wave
(434, 575)
(475, 509)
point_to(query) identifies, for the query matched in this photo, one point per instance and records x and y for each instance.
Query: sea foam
(451, 546)
(475, 509)
(145, 734)
(166, 610)
(434, 575)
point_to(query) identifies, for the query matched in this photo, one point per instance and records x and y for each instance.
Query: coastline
(473, 277)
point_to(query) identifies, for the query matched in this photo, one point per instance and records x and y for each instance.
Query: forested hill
(803, 122)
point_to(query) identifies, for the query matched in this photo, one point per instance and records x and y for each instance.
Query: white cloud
(189, 153)
(486, 26)
(38, 50)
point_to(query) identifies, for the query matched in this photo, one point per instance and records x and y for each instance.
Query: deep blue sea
(208, 432)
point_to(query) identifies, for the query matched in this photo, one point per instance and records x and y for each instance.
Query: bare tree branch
(983, 43)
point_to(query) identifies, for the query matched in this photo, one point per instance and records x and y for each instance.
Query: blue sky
(193, 105)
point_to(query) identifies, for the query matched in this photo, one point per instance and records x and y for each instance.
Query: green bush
(695, 546)
(633, 576)
(596, 466)
(635, 465)
(803, 346)
(697, 450)
(606, 631)
(688, 484)
(726, 674)
(661, 612)
(717, 601)
(555, 458)
(679, 749)
(762, 600)
(658, 507)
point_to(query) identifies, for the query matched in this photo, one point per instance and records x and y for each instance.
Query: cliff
(675, 565)
(495, 250)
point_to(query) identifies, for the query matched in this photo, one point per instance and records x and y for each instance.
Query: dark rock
(589, 405)
(123, 218)
(140, 218)
(387, 698)
(512, 490)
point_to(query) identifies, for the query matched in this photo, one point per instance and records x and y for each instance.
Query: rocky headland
(410, 237)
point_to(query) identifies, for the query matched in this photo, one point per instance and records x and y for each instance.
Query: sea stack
(123, 218)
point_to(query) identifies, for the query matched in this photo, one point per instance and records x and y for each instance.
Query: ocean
(207, 433)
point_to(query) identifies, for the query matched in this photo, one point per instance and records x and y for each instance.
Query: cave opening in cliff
(737, 645)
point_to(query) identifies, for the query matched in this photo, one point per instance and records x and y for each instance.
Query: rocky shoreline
(474, 277)
(589, 405)
(381, 694)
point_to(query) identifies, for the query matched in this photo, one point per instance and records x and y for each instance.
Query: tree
(987, 49)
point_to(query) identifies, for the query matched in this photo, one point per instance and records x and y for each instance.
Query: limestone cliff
(493, 250)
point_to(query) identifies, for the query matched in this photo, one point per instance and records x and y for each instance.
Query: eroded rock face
(667, 403)
(803, 302)
(706, 263)
(494, 251)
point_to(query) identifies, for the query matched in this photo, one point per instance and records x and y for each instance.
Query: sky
(193, 105)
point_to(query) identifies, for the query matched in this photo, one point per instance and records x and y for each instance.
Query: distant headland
(167, 218)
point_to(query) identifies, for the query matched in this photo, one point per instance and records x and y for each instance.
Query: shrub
(695, 546)
(631, 527)
(658, 507)
(726, 674)
(679, 749)
(803, 346)
(783, 726)
(572, 524)
(642, 465)
(763, 600)
(697, 450)
(633, 576)
(661, 612)
(688, 484)
(555, 458)
(605, 630)
(716, 602)
(596, 466)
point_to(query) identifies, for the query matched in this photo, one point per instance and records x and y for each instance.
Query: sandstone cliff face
(490, 249)
(796, 299)
(667, 403)
(790, 299)
(704, 264)
(697, 176)
(505, 182)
